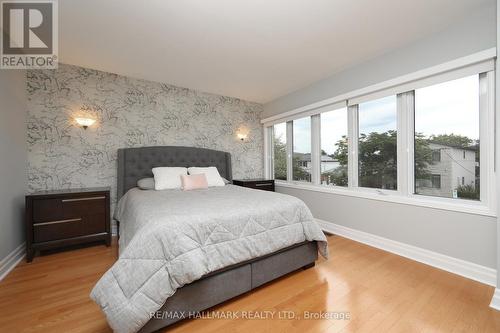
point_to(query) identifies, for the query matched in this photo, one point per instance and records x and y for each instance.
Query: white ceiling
(256, 50)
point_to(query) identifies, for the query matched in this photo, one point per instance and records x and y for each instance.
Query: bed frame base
(230, 282)
(311, 265)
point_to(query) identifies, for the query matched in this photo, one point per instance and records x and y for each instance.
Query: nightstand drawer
(267, 186)
(47, 210)
(258, 184)
(80, 206)
(94, 224)
(58, 229)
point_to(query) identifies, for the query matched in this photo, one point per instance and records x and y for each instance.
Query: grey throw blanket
(172, 238)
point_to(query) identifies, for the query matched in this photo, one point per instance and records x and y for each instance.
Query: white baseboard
(8, 263)
(495, 300)
(464, 268)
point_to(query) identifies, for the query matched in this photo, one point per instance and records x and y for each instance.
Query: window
(436, 181)
(279, 146)
(301, 160)
(447, 120)
(377, 146)
(334, 148)
(429, 143)
(436, 155)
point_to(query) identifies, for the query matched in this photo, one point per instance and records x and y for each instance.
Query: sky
(446, 108)
(302, 135)
(333, 127)
(379, 115)
(458, 113)
(280, 131)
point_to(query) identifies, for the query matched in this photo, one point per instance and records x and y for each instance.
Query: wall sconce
(242, 136)
(242, 133)
(85, 122)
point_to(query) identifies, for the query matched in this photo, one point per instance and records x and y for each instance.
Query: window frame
(269, 151)
(486, 145)
(438, 177)
(405, 193)
(292, 152)
(317, 136)
(438, 159)
(356, 153)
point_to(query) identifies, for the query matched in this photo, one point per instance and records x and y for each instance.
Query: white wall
(460, 235)
(476, 33)
(497, 148)
(13, 179)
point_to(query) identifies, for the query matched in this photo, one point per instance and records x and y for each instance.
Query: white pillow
(168, 177)
(146, 183)
(212, 174)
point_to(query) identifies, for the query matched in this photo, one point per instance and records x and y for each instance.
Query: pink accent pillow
(194, 182)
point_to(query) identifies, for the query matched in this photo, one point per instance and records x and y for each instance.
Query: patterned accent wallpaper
(129, 113)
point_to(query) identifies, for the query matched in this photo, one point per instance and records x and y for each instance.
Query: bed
(182, 252)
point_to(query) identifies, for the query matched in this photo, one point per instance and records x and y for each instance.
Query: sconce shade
(242, 136)
(85, 122)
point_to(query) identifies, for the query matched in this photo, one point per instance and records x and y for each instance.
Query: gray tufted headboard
(136, 163)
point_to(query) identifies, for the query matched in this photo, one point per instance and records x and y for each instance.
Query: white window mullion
(289, 151)
(405, 143)
(487, 138)
(411, 142)
(353, 137)
(401, 143)
(316, 149)
(269, 152)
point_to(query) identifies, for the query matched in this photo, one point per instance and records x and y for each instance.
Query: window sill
(476, 208)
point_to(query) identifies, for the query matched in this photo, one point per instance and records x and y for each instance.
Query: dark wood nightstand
(259, 183)
(60, 218)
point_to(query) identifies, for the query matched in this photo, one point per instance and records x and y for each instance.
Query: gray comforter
(172, 238)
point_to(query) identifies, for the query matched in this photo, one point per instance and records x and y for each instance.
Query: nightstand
(60, 218)
(259, 183)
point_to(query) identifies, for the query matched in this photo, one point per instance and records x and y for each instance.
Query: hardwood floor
(378, 290)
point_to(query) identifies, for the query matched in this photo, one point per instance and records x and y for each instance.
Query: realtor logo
(29, 34)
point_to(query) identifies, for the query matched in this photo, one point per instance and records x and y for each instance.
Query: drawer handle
(83, 199)
(264, 184)
(56, 222)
